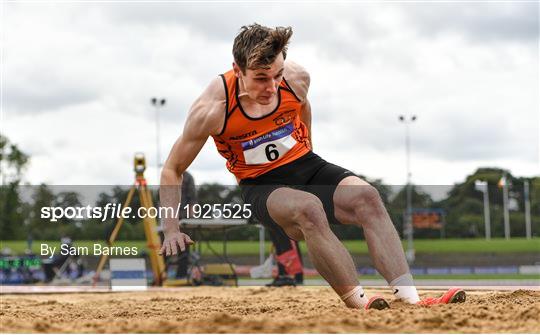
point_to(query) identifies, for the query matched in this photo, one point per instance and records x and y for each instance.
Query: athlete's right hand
(172, 241)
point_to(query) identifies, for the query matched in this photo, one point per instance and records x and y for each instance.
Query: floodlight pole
(408, 228)
(487, 217)
(527, 209)
(505, 207)
(483, 187)
(158, 103)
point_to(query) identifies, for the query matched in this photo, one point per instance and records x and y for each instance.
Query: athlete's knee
(309, 213)
(366, 204)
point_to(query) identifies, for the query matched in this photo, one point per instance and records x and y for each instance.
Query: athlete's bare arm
(305, 116)
(299, 80)
(205, 118)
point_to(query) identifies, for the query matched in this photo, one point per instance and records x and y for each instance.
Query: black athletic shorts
(309, 173)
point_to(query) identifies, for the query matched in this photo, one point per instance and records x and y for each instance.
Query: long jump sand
(262, 310)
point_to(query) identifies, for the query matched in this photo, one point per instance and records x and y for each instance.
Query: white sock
(355, 298)
(404, 289)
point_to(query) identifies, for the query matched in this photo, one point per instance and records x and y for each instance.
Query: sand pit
(261, 310)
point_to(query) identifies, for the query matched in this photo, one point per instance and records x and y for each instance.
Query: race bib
(270, 146)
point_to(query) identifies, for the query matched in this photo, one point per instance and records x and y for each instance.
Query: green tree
(12, 164)
(464, 205)
(39, 228)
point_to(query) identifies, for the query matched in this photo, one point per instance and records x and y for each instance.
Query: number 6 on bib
(270, 146)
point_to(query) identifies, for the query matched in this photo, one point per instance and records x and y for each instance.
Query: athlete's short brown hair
(256, 46)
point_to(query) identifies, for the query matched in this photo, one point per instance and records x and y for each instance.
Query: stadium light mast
(526, 195)
(482, 186)
(408, 229)
(158, 103)
(503, 183)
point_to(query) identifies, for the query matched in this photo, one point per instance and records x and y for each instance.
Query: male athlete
(260, 119)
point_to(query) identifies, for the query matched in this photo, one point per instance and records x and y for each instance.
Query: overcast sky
(78, 78)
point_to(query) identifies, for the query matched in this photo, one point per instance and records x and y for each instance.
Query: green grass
(235, 248)
(499, 245)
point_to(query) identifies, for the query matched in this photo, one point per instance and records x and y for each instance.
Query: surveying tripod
(150, 226)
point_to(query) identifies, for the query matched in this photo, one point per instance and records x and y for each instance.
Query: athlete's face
(262, 84)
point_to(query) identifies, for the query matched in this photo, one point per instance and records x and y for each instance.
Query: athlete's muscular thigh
(286, 205)
(347, 196)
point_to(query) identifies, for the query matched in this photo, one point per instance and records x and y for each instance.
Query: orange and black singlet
(254, 146)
